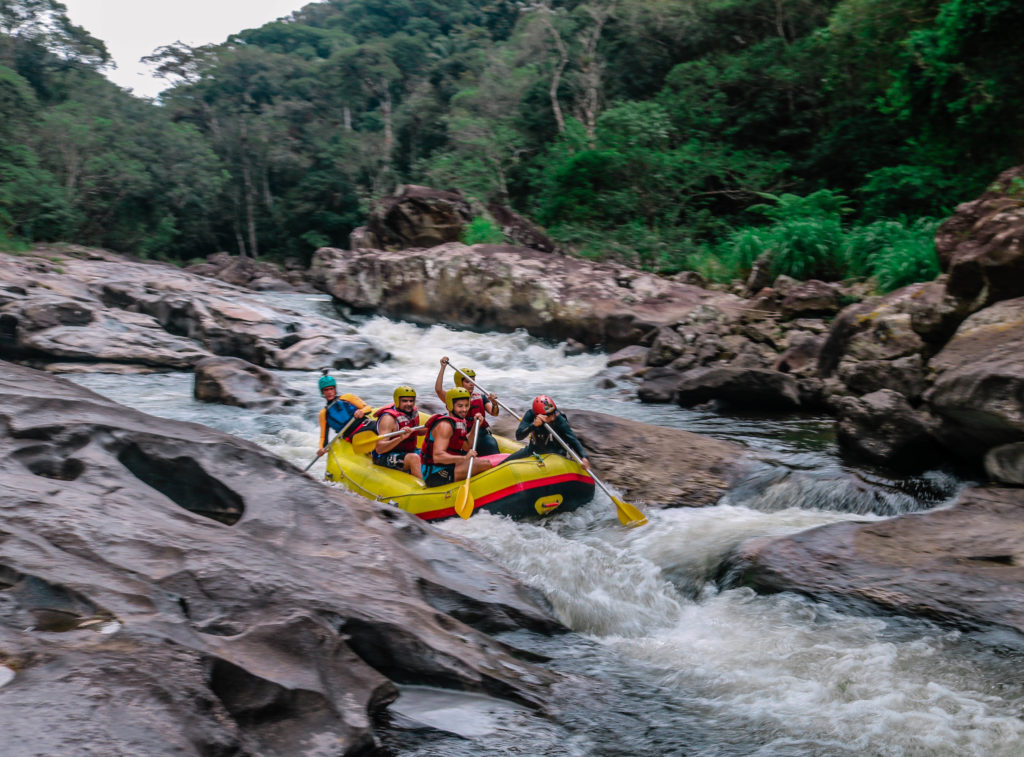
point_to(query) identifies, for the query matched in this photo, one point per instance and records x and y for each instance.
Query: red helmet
(543, 405)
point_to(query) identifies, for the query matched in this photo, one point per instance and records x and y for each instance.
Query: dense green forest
(667, 134)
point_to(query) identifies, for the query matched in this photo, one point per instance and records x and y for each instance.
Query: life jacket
(476, 407)
(460, 434)
(403, 421)
(339, 413)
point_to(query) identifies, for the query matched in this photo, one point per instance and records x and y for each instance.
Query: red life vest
(403, 421)
(460, 433)
(476, 407)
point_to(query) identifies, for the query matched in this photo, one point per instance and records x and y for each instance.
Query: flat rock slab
(962, 565)
(167, 589)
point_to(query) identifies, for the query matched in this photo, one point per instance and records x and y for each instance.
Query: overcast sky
(134, 28)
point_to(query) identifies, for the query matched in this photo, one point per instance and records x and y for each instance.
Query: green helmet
(460, 376)
(326, 381)
(403, 391)
(455, 393)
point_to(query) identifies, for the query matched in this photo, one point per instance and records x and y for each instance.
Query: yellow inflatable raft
(529, 487)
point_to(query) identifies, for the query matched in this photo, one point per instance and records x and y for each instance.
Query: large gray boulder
(232, 381)
(978, 380)
(93, 306)
(166, 589)
(416, 216)
(503, 288)
(982, 245)
(962, 565)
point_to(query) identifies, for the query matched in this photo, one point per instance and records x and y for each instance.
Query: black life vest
(460, 433)
(403, 421)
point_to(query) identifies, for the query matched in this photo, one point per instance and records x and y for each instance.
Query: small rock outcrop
(233, 381)
(416, 216)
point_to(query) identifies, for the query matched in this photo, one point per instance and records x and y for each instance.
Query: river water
(664, 658)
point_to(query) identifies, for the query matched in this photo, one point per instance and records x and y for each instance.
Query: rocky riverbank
(169, 589)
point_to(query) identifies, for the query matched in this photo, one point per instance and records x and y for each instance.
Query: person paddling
(480, 406)
(447, 449)
(543, 410)
(399, 452)
(339, 414)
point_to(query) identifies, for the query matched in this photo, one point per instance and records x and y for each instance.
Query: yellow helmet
(403, 391)
(455, 393)
(462, 375)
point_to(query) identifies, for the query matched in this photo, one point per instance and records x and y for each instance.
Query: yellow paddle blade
(363, 442)
(464, 504)
(629, 516)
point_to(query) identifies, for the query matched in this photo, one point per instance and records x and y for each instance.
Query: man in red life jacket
(480, 406)
(447, 449)
(399, 452)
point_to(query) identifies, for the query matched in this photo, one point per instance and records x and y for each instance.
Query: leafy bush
(909, 258)
(482, 230)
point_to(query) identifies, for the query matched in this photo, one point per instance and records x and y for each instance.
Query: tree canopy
(649, 131)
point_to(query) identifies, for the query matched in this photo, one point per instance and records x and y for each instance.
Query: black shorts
(438, 475)
(394, 460)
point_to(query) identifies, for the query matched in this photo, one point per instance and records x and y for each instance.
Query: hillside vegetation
(668, 134)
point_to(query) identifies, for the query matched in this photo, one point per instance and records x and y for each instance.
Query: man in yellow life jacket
(399, 452)
(340, 414)
(447, 449)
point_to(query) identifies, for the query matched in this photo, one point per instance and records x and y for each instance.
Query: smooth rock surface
(166, 589)
(962, 565)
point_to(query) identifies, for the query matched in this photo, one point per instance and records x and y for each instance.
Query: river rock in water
(167, 589)
(962, 565)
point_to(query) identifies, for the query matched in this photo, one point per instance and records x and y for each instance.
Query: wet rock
(739, 387)
(416, 216)
(634, 355)
(502, 288)
(810, 298)
(962, 565)
(654, 465)
(801, 357)
(573, 348)
(978, 380)
(100, 307)
(760, 273)
(232, 381)
(362, 238)
(904, 375)
(883, 428)
(981, 246)
(257, 611)
(1005, 464)
(659, 385)
(666, 347)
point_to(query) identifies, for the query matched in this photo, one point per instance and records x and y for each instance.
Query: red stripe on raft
(506, 492)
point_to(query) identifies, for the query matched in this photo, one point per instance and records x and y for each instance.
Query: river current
(665, 658)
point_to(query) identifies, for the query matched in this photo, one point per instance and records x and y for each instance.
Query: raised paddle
(364, 441)
(464, 504)
(629, 516)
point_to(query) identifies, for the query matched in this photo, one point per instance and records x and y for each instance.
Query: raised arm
(438, 385)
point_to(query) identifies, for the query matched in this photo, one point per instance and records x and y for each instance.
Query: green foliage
(482, 230)
(894, 253)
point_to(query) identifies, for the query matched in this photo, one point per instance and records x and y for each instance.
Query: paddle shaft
(554, 433)
(472, 447)
(344, 428)
(396, 433)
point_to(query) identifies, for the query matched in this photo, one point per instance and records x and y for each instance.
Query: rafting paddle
(464, 504)
(343, 431)
(629, 516)
(365, 441)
